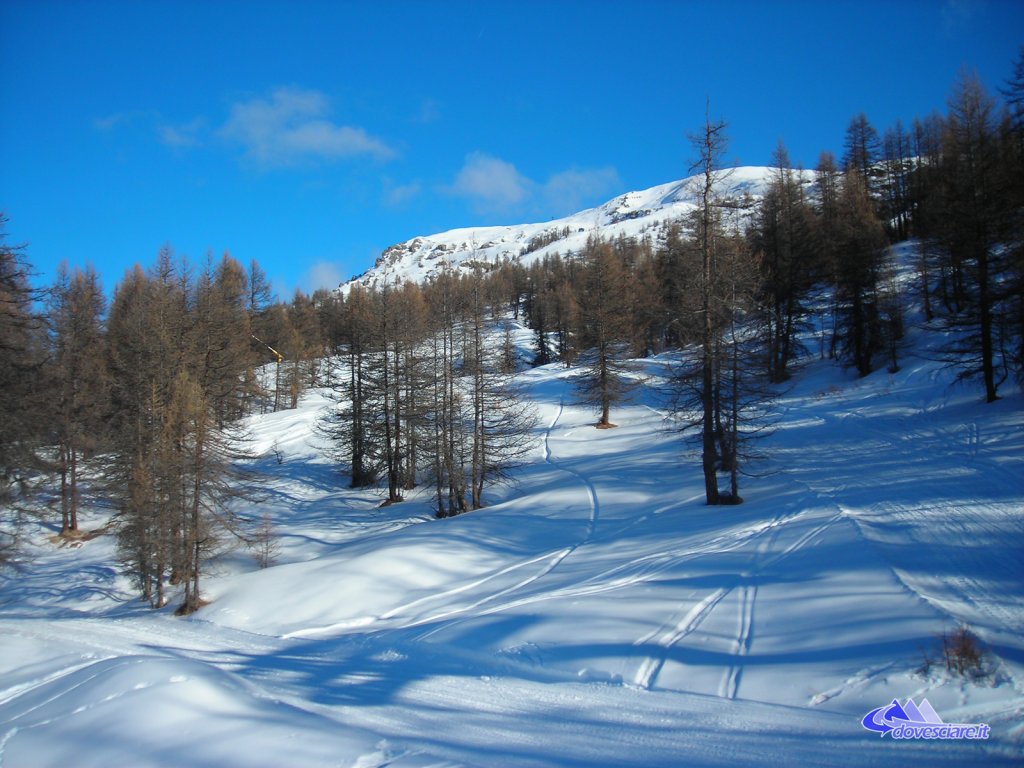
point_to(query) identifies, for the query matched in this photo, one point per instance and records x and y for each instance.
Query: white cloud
(323, 274)
(293, 126)
(571, 191)
(494, 185)
(491, 184)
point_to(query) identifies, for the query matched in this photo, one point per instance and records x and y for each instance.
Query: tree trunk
(65, 512)
(73, 521)
(985, 309)
(709, 457)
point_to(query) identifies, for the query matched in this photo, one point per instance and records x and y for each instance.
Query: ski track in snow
(647, 673)
(481, 606)
(964, 523)
(643, 569)
(556, 560)
(595, 503)
(671, 633)
(731, 678)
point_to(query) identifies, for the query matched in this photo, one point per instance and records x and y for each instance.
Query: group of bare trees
(971, 224)
(76, 307)
(139, 403)
(424, 391)
(178, 352)
(22, 359)
(955, 183)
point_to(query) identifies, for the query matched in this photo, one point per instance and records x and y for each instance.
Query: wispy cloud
(430, 111)
(119, 120)
(293, 126)
(492, 185)
(183, 135)
(398, 194)
(109, 122)
(957, 14)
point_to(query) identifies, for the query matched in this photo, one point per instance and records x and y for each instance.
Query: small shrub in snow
(963, 653)
(265, 543)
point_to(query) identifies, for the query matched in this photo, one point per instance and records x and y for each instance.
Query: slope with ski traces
(596, 613)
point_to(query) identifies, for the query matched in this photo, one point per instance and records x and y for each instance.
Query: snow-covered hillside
(634, 214)
(597, 613)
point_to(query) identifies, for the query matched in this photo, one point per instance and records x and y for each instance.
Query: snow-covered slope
(595, 614)
(634, 214)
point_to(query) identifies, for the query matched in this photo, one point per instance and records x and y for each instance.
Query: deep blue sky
(312, 135)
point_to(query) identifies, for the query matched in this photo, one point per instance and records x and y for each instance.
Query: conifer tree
(78, 361)
(677, 273)
(386, 391)
(974, 219)
(719, 388)
(22, 355)
(782, 236)
(860, 244)
(863, 151)
(1013, 142)
(146, 331)
(445, 414)
(221, 333)
(710, 145)
(897, 163)
(413, 380)
(604, 331)
(258, 303)
(537, 310)
(360, 324)
(924, 192)
(704, 380)
(172, 456)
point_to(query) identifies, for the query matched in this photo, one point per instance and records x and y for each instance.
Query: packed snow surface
(596, 613)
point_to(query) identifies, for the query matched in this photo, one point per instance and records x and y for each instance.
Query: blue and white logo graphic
(919, 721)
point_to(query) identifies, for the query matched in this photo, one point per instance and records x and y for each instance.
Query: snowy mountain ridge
(633, 214)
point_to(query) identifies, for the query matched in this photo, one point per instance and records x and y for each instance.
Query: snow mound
(159, 711)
